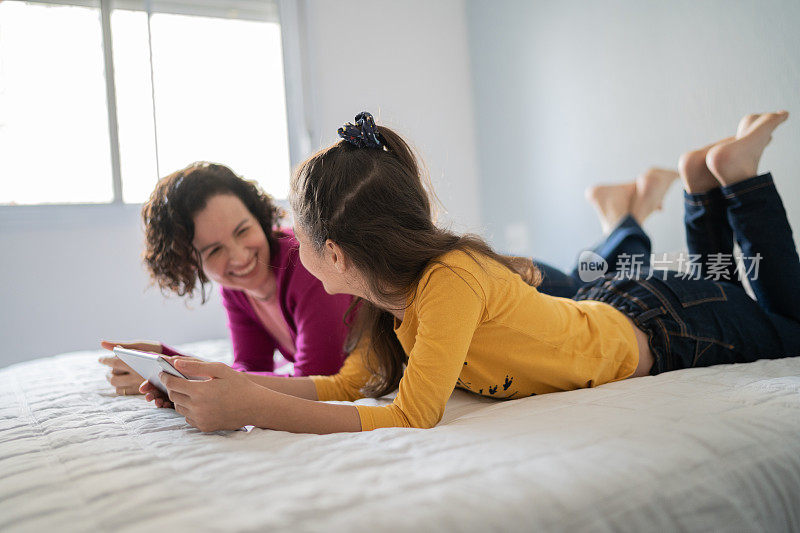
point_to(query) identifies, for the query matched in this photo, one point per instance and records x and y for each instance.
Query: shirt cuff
(383, 416)
(326, 388)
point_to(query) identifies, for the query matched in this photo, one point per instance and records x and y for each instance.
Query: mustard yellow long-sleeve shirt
(478, 326)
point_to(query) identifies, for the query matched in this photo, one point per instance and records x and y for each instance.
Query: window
(99, 98)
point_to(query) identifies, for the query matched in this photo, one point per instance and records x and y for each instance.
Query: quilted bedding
(702, 449)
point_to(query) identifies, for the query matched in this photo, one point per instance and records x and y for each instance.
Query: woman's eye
(213, 251)
(241, 231)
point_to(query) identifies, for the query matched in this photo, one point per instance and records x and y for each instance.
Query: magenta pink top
(315, 319)
(271, 316)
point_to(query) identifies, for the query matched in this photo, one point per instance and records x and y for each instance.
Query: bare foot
(745, 123)
(738, 160)
(612, 202)
(693, 170)
(651, 187)
(692, 165)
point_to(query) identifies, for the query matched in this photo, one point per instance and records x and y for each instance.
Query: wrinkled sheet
(701, 449)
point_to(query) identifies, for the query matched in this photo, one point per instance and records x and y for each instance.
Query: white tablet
(148, 365)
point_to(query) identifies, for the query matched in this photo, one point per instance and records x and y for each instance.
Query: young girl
(456, 314)
(206, 223)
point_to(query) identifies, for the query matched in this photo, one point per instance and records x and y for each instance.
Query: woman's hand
(122, 377)
(143, 346)
(222, 401)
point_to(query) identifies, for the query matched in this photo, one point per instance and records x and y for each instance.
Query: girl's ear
(335, 256)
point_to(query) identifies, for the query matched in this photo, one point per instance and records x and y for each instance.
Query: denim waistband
(662, 308)
(690, 322)
(638, 302)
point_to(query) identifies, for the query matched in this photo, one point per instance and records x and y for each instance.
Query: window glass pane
(54, 145)
(219, 96)
(134, 104)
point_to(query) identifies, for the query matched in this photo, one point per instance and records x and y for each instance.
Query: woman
(206, 223)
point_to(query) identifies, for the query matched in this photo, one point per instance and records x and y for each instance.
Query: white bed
(697, 450)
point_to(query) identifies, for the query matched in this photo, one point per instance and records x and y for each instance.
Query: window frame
(290, 17)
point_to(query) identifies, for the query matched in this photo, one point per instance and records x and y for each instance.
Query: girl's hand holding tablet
(153, 394)
(217, 398)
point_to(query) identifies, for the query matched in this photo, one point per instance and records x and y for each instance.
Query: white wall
(573, 93)
(71, 275)
(408, 64)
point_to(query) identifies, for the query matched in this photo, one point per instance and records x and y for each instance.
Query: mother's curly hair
(174, 263)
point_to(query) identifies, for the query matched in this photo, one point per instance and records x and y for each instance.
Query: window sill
(67, 216)
(80, 216)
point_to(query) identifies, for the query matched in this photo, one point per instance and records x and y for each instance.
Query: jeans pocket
(690, 292)
(710, 352)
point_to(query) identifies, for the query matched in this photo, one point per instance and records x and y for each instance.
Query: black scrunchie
(362, 133)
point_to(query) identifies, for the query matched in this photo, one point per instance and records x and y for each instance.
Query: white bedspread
(704, 449)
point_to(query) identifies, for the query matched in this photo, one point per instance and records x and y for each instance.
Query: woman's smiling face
(233, 247)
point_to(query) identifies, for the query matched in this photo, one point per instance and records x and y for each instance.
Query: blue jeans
(694, 322)
(627, 239)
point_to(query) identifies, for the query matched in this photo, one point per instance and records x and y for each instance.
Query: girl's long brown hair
(374, 203)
